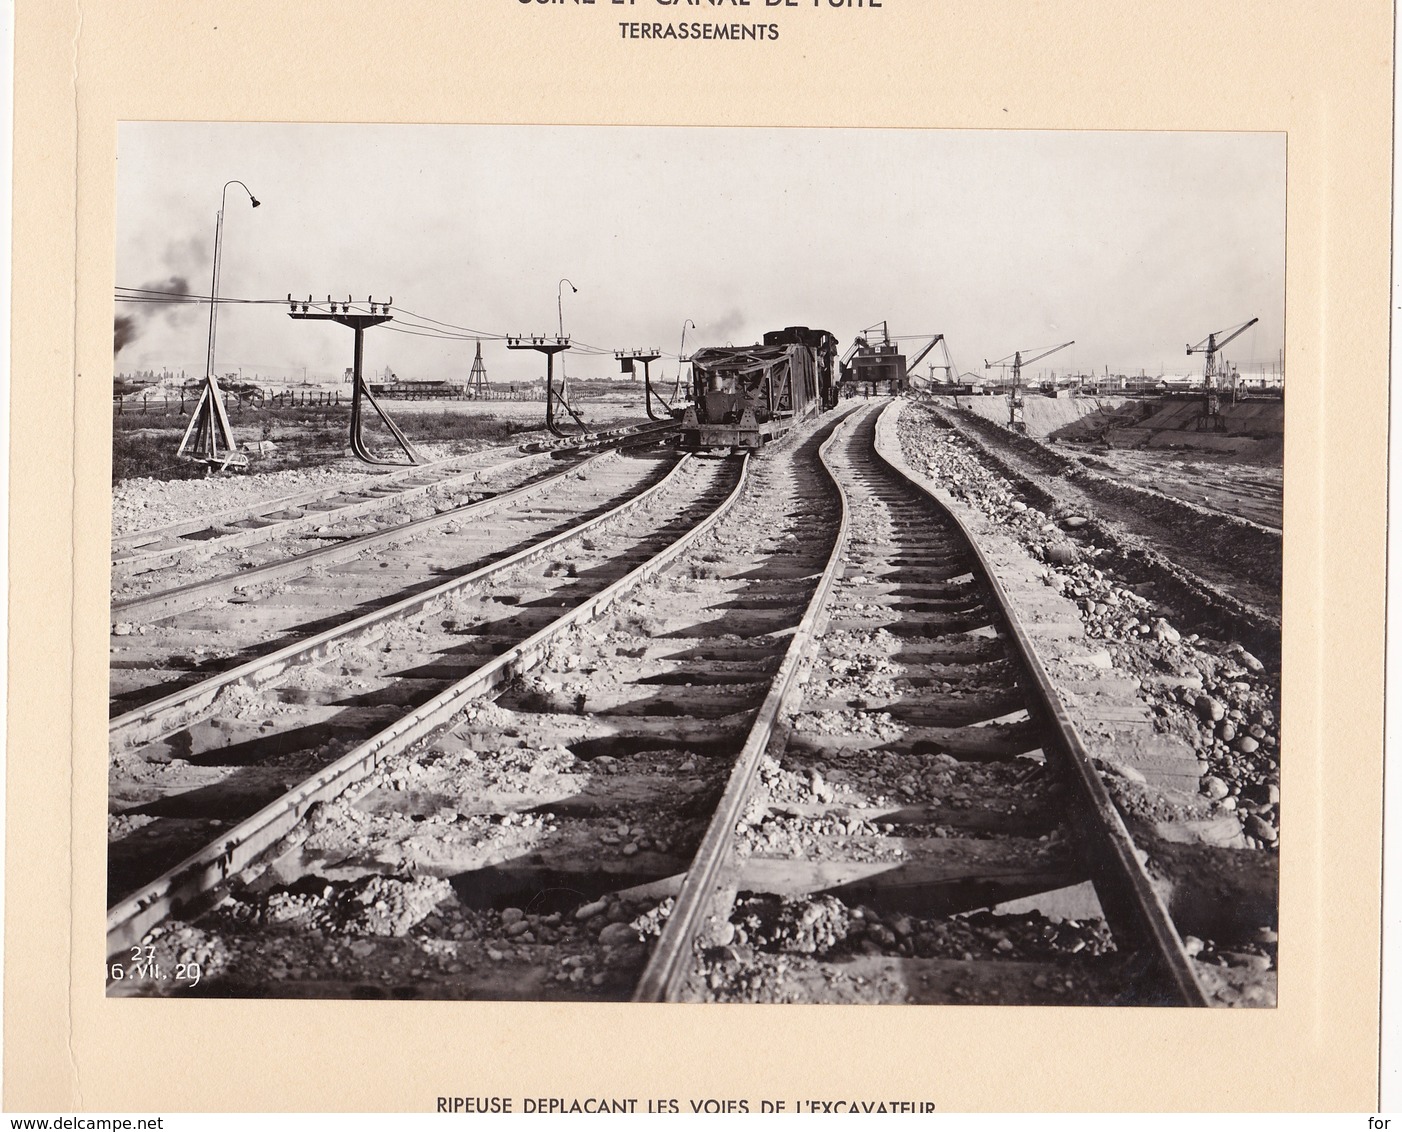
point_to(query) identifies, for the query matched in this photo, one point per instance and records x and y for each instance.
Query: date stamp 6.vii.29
(142, 966)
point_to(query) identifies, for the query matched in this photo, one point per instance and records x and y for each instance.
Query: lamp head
(255, 200)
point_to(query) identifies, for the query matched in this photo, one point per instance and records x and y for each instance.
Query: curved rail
(646, 433)
(217, 863)
(357, 423)
(180, 708)
(156, 547)
(669, 963)
(1132, 906)
(1129, 899)
(163, 603)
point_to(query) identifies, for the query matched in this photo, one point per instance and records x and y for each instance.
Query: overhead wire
(419, 325)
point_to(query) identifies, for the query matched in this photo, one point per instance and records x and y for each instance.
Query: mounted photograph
(697, 564)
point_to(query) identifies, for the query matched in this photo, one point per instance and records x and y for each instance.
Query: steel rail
(1126, 894)
(135, 540)
(647, 431)
(129, 919)
(1257, 624)
(178, 709)
(671, 958)
(131, 544)
(178, 599)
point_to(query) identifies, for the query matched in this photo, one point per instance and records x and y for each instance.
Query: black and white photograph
(697, 564)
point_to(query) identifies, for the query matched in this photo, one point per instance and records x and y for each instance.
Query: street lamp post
(681, 354)
(560, 332)
(560, 302)
(209, 429)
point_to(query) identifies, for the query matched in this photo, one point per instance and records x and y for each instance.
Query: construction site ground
(314, 439)
(1167, 445)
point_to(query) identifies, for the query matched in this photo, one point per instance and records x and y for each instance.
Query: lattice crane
(1015, 362)
(1211, 346)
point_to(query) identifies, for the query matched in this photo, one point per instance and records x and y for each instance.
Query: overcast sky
(1133, 244)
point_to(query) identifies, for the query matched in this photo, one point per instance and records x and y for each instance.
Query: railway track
(140, 558)
(253, 535)
(894, 824)
(188, 634)
(469, 794)
(801, 763)
(647, 432)
(201, 759)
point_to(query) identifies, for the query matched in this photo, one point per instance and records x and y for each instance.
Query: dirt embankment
(1046, 416)
(1225, 570)
(1250, 430)
(1238, 543)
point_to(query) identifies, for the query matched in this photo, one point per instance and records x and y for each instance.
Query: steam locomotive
(742, 397)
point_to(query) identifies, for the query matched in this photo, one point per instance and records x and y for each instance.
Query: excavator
(868, 364)
(948, 367)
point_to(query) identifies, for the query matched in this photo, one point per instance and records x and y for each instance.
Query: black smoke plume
(123, 331)
(126, 328)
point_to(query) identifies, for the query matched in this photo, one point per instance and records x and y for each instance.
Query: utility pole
(358, 321)
(627, 360)
(548, 347)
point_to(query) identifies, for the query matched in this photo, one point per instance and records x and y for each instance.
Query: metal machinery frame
(873, 365)
(950, 369)
(743, 397)
(865, 362)
(358, 321)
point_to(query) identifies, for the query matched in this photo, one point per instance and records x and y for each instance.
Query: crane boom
(1211, 346)
(950, 369)
(915, 361)
(1214, 342)
(1044, 353)
(1016, 361)
(1015, 393)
